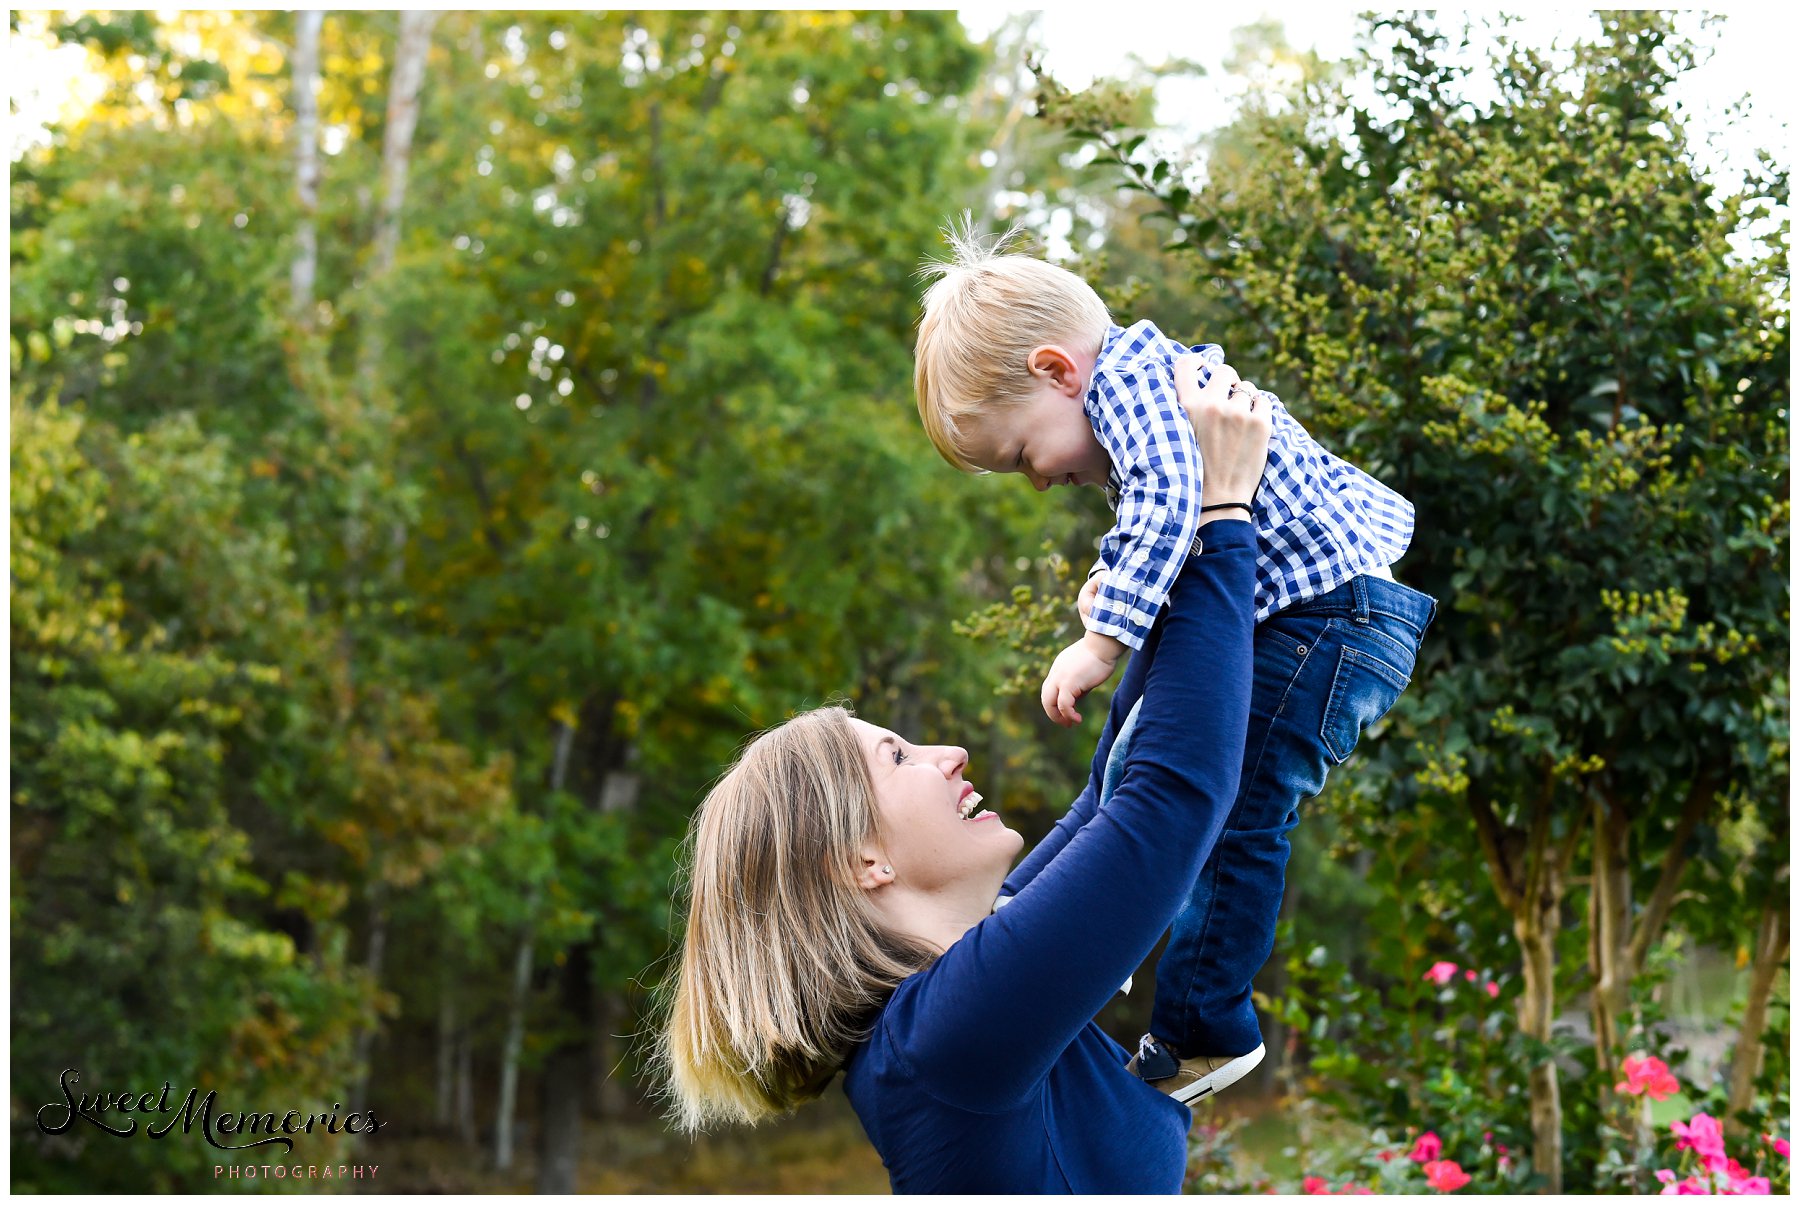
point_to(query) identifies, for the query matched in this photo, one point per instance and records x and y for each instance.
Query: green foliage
(154, 644)
(444, 642)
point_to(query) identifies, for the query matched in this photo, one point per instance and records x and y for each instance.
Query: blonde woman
(842, 905)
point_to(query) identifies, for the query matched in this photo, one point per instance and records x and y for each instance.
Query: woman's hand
(1232, 427)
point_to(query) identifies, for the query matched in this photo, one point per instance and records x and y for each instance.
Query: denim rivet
(1300, 649)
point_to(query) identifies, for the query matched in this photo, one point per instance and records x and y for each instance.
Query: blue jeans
(1325, 670)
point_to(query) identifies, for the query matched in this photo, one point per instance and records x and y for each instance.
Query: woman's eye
(899, 755)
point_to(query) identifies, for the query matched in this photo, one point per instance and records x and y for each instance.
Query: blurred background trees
(439, 440)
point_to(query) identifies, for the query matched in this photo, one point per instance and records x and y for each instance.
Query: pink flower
(1440, 973)
(1780, 1145)
(1445, 1176)
(1428, 1147)
(1665, 1175)
(1492, 989)
(1315, 1186)
(1690, 1187)
(1647, 1075)
(1744, 1184)
(1469, 975)
(1385, 1156)
(1703, 1136)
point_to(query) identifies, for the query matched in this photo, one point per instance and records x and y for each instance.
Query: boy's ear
(1050, 361)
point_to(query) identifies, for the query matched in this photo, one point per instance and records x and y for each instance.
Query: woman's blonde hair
(981, 320)
(784, 965)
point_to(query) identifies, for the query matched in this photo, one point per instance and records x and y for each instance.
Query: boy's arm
(1146, 431)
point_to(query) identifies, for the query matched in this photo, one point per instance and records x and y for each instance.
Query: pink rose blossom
(1445, 1176)
(1744, 1184)
(1649, 1076)
(1703, 1136)
(1469, 975)
(1665, 1175)
(1440, 973)
(1385, 1156)
(1314, 1186)
(1780, 1145)
(1492, 989)
(1428, 1147)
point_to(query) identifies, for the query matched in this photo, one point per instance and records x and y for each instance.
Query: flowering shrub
(1705, 1168)
(1437, 1044)
(1399, 1168)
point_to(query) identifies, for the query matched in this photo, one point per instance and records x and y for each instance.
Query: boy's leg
(1324, 671)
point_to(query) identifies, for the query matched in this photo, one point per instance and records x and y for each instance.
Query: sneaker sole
(1221, 1079)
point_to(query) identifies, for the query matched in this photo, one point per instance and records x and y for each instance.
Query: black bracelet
(1243, 506)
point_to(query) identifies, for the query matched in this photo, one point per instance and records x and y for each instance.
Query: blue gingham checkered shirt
(1319, 520)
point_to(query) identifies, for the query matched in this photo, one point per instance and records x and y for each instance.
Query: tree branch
(1655, 915)
(1487, 829)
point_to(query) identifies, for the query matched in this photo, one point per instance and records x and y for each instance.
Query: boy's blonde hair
(982, 319)
(785, 963)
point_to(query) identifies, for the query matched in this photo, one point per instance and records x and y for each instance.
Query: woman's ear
(874, 872)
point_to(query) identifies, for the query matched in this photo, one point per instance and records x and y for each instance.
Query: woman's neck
(939, 919)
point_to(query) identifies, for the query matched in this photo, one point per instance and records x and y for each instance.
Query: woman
(842, 912)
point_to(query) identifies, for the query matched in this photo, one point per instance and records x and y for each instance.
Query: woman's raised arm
(988, 1019)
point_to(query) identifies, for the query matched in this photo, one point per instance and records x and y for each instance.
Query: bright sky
(1755, 56)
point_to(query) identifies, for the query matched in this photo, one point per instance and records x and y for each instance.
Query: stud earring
(887, 870)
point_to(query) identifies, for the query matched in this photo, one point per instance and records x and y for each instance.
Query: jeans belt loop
(1359, 594)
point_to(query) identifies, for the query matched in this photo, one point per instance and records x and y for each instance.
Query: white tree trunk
(306, 161)
(404, 85)
(446, 1059)
(465, 1085)
(402, 120)
(521, 985)
(515, 1041)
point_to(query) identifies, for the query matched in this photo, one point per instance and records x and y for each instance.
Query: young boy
(1020, 369)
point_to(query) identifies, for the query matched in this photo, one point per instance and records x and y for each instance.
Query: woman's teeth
(970, 804)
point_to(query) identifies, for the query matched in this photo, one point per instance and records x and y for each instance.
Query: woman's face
(936, 834)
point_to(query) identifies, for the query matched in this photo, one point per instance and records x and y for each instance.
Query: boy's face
(1049, 438)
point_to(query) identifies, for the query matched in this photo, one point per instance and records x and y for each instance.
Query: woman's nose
(953, 759)
(1040, 484)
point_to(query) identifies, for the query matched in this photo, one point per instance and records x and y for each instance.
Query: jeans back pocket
(1362, 690)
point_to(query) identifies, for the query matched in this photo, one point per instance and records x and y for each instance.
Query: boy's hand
(1078, 669)
(1084, 602)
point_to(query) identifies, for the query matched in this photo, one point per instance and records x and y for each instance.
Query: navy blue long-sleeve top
(985, 1072)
